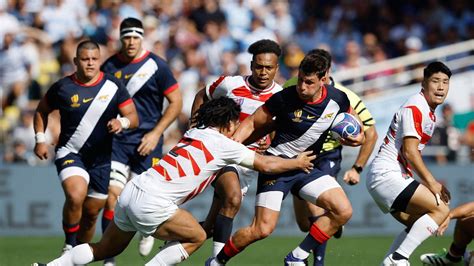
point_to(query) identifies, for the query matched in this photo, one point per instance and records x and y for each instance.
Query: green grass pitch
(345, 251)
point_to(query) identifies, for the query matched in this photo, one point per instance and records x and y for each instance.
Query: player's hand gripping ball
(345, 125)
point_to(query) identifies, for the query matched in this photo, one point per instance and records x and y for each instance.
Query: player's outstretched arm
(40, 124)
(462, 211)
(275, 165)
(254, 127)
(413, 155)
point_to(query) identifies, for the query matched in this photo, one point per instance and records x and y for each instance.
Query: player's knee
(263, 230)
(199, 237)
(343, 213)
(232, 203)
(75, 200)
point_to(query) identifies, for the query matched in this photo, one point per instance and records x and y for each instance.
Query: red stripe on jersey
(125, 103)
(174, 163)
(242, 116)
(188, 156)
(417, 119)
(199, 145)
(78, 82)
(162, 171)
(244, 92)
(171, 89)
(214, 85)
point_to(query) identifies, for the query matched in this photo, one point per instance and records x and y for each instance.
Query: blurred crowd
(202, 39)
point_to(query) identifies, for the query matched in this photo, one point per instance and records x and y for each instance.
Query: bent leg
(90, 212)
(75, 192)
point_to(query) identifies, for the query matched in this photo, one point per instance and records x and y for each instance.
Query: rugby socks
(455, 253)
(79, 255)
(396, 242)
(228, 251)
(315, 238)
(107, 217)
(423, 228)
(70, 231)
(223, 231)
(171, 254)
(320, 251)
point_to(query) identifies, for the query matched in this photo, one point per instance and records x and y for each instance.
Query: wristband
(358, 168)
(40, 137)
(124, 122)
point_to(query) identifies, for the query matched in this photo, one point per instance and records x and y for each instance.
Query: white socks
(423, 228)
(171, 254)
(397, 242)
(81, 254)
(300, 253)
(216, 248)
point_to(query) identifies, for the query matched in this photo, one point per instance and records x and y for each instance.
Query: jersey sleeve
(165, 79)
(236, 153)
(217, 88)
(52, 97)
(274, 104)
(358, 106)
(411, 122)
(123, 97)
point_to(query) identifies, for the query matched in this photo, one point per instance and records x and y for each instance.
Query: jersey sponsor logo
(118, 74)
(298, 113)
(328, 116)
(66, 162)
(86, 100)
(154, 161)
(104, 98)
(75, 101)
(127, 76)
(310, 117)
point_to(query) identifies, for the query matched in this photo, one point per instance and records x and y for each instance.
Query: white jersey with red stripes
(242, 92)
(188, 168)
(415, 119)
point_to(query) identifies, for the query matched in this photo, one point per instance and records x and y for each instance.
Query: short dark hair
(323, 53)
(314, 64)
(87, 44)
(264, 46)
(131, 23)
(216, 113)
(435, 67)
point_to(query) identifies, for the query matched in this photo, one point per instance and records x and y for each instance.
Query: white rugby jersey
(192, 165)
(242, 92)
(415, 118)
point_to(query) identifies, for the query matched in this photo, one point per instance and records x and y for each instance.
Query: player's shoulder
(112, 78)
(161, 62)
(335, 93)
(417, 100)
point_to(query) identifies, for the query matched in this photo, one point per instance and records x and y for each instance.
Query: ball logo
(345, 125)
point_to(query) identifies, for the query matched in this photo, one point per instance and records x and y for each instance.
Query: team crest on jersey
(118, 74)
(328, 116)
(269, 182)
(429, 129)
(239, 101)
(75, 101)
(68, 162)
(298, 113)
(154, 161)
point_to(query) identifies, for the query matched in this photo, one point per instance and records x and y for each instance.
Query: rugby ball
(345, 125)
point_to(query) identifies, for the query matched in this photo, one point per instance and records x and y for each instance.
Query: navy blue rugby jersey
(148, 79)
(85, 111)
(303, 126)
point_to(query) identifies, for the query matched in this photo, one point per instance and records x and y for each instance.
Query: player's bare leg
(422, 212)
(108, 214)
(185, 235)
(75, 192)
(338, 211)
(90, 211)
(228, 191)
(112, 243)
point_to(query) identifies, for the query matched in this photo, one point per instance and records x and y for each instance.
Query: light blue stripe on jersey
(308, 138)
(141, 76)
(89, 120)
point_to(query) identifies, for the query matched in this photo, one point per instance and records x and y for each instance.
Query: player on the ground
(331, 156)
(421, 206)
(301, 116)
(250, 92)
(463, 235)
(149, 81)
(149, 202)
(88, 102)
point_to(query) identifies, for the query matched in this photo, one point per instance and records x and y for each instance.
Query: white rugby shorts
(139, 211)
(384, 185)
